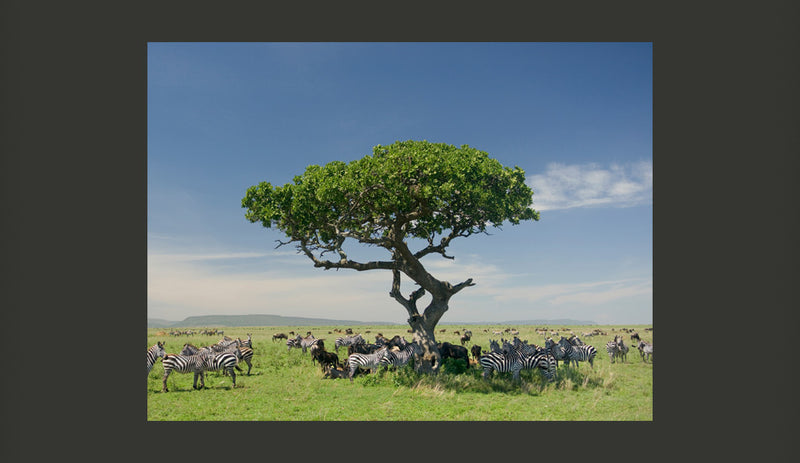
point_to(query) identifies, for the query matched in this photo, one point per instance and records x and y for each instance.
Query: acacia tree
(405, 194)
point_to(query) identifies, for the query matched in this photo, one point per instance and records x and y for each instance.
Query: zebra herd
(507, 356)
(617, 349)
(511, 357)
(223, 356)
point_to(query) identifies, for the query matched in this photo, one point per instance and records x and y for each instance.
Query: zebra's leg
(233, 377)
(166, 375)
(249, 366)
(352, 372)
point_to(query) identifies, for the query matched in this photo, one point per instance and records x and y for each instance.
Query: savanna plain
(285, 385)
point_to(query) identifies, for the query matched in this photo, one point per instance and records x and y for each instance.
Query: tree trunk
(430, 359)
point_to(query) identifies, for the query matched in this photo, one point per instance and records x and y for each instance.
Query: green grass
(286, 386)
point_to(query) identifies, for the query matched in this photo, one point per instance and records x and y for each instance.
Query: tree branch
(346, 263)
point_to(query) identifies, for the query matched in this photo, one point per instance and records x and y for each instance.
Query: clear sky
(577, 117)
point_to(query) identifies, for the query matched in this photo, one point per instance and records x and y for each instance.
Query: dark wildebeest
(635, 337)
(279, 336)
(452, 351)
(466, 337)
(325, 358)
(476, 351)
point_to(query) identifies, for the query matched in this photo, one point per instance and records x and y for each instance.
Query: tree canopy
(417, 192)
(411, 189)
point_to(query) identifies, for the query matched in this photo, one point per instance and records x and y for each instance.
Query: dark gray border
(74, 203)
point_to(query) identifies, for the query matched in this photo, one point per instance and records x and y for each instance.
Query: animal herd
(504, 356)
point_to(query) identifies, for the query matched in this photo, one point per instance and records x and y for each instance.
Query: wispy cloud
(591, 185)
(587, 293)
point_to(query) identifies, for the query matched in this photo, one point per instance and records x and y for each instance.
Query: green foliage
(430, 187)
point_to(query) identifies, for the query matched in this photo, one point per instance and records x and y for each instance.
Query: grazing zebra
(293, 342)
(204, 360)
(348, 341)
(154, 352)
(577, 354)
(645, 350)
(371, 361)
(401, 357)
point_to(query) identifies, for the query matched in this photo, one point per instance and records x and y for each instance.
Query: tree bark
(428, 359)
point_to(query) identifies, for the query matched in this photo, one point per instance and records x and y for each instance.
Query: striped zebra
(536, 357)
(508, 360)
(556, 350)
(306, 342)
(622, 350)
(612, 349)
(293, 342)
(365, 361)
(645, 350)
(348, 341)
(244, 353)
(494, 346)
(575, 354)
(575, 340)
(401, 357)
(247, 342)
(205, 360)
(154, 352)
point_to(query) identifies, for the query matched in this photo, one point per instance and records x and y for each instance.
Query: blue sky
(577, 117)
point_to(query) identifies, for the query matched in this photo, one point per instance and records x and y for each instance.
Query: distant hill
(278, 320)
(252, 320)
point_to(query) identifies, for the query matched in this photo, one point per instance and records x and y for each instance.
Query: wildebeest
(334, 373)
(476, 351)
(635, 337)
(448, 350)
(324, 357)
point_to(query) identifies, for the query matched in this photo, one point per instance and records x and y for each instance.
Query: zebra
(293, 342)
(556, 350)
(494, 346)
(401, 357)
(348, 341)
(575, 340)
(244, 353)
(153, 353)
(246, 343)
(508, 360)
(645, 350)
(204, 360)
(612, 349)
(622, 350)
(305, 342)
(536, 357)
(577, 354)
(371, 361)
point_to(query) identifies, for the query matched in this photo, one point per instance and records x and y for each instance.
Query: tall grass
(286, 386)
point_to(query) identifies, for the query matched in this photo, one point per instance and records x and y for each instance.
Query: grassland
(285, 385)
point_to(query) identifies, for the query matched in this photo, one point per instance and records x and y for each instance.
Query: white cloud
(588, 293)
(590, 185)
